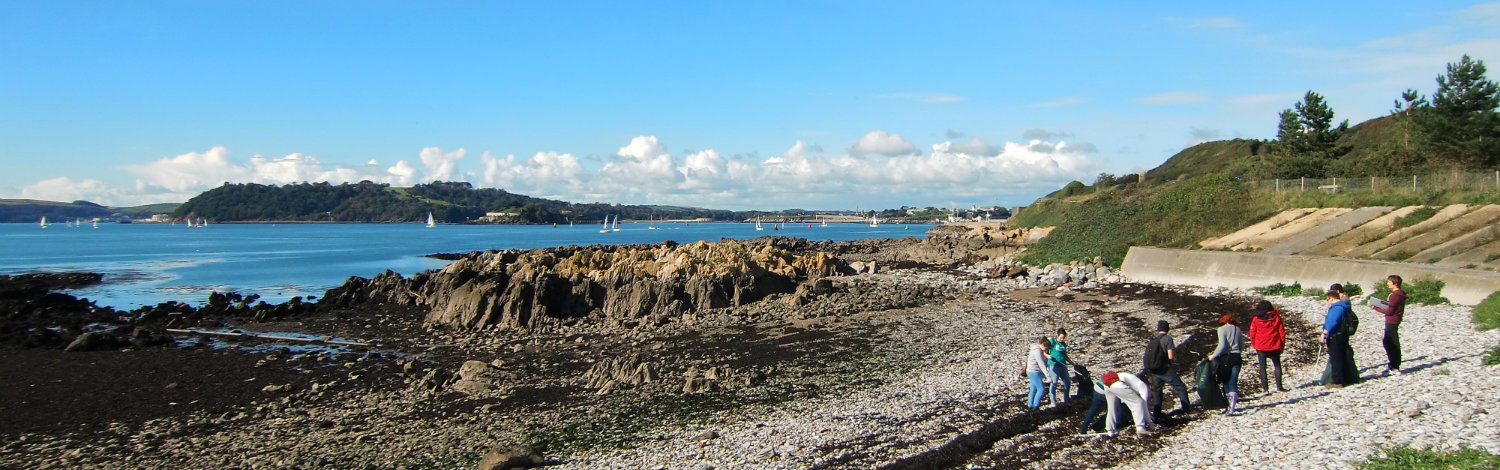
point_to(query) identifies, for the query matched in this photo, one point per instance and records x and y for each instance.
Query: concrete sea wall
(1246, 270)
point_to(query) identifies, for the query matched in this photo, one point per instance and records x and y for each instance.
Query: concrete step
(1435, 237)
(1284, 232)
(1443, 215)
(1326, 230)
(1372, 230)
(1259, 228)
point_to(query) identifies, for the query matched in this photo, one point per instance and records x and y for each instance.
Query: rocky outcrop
(718, 379)
(476, 378)
(625, 285)
(614, 373)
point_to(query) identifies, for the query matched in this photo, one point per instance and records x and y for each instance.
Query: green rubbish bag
(1209, 395)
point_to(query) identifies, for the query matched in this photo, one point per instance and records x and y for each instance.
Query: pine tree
(1463, 126)
(1307, 140)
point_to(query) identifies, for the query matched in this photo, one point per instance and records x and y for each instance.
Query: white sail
(824, 220)
(616, 226)
(96, 224)
(757, 224)
(605, 227)
(874, 221)
(430, 222)
(44, 221)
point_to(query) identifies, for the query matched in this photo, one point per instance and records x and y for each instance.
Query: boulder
(478, 378)
(613, 373)
(514, 457)
(96, 341)
(718, 379)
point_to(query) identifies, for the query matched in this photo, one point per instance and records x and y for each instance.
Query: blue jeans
(1059, 377)
(1095, 409)
(1034, 397)
(1229, 372)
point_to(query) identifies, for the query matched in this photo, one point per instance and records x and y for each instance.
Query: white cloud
(545, 174)
(440, 165)
(879, 142)
(66, 189)
(402, 174)
(189, 170)
(643, 148)
(1174, 98)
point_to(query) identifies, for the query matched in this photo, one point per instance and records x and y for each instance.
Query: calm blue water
(145, 264)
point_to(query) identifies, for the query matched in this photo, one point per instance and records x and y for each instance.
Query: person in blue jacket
(1337, 340)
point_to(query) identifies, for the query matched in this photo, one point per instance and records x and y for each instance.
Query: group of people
(1117, 393)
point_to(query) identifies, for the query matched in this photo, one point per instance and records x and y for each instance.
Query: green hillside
(32, 211)
(1212, 188)
(448, 202)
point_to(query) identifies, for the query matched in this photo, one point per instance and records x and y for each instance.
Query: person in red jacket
(1393, 309)
(1268, 337)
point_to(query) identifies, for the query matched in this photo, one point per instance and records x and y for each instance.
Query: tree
(1306, 139)
(1463, 127)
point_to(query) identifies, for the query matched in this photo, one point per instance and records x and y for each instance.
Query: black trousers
(1392, 343)
(1260, 360)
(1339, 353)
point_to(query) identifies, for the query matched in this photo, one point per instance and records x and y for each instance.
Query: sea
(146, 264)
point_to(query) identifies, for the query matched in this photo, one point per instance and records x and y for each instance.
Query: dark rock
(96, 341)
(514, 457)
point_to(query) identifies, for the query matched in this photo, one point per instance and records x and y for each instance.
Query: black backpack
(1156, 355)
(1349, 324)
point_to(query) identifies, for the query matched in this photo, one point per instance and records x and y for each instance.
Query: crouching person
(1122, 387)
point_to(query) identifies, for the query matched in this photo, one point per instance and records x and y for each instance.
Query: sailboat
(757, 224)
(44, 221)
(652, 224)
(616, 226)
(430, 223)
(825, 221)
(605, 228)
(874, 222)
(205, 222)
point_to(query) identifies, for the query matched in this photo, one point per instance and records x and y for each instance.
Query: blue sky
(769, 105)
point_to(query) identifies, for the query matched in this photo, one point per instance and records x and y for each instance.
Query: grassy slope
(1198, 194)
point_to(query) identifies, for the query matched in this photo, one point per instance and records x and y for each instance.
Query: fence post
(1413, 183)
(1497, 179)
(1278, 182)
(1372, 184)
(1304, 184)
(1335, 184)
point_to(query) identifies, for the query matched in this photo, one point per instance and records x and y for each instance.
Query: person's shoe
(1334, 385)
(1142, 432)
(1385, 372)
(1395, 371)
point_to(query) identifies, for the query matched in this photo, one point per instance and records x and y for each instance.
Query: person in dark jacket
(1393, 309)
(1337, 340)
(1268, 337)
(1165, 376)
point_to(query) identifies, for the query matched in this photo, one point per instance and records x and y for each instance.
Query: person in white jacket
(1038, 372)
(1131, 390)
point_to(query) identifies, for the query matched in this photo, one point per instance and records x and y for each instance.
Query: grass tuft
(1487, 313)
(1407, 458)
(1416, 216)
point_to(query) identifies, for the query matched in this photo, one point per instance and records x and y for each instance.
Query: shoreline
(899, 367)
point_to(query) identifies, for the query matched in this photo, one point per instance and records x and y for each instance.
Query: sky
(827, 105)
